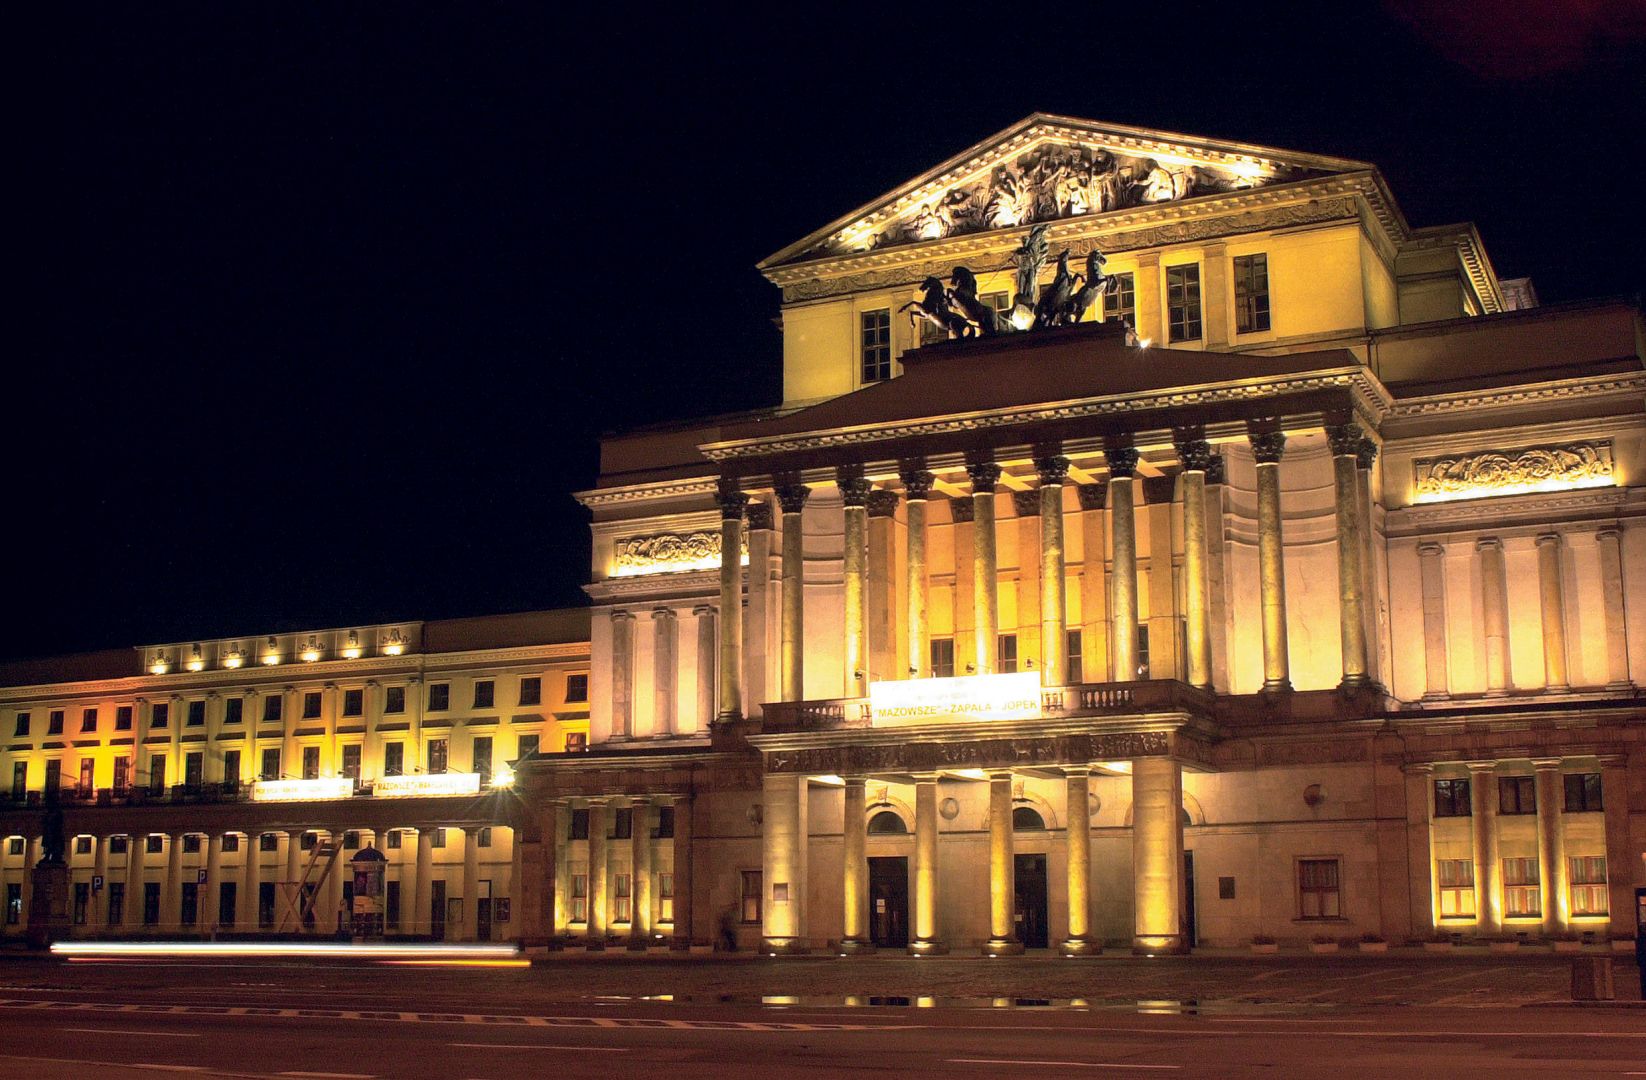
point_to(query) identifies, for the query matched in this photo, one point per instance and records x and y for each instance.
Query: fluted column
(1552, 604)
(782, 863)
(985, 566)
(1494, 603)
(708, 663)
(854, 492)
(245, 912)
(1267, 447)
(1609, 540)
(1551, 847)
(1157, 855)
(1483, 824)
(1053, 470)
(595, 938)
(1436, 662)
(917, 488)
(1195, 453)
(1002, 869)
(1365, 459)
(1123, 579)
(791, 500)
(1077, 809)
(665, 633)
(622, 674)
(854, 937)
(1345, 440)
(927, 940)
(640, 873)
(732, 502)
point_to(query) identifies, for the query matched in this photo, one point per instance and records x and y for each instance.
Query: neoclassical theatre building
(1161, 542)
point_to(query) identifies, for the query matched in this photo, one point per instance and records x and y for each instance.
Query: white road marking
(133, 1031)
(539, 1046)
(331, 1075)
(1062, 1064)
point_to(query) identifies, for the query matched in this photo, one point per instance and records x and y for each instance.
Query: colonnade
(648, 914)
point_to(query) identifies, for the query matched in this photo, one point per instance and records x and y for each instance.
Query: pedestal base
(930, 947)
(49, 904)
(1156, 944)
(856, 947)
(783, 947)
(1003, 947)
(1074, 947)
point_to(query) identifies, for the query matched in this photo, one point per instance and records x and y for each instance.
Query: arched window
(887, 823)
(1026, 819)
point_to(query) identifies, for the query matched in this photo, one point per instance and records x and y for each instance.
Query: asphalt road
(294, 1021)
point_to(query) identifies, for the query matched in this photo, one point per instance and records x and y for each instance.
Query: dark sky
(331, 303)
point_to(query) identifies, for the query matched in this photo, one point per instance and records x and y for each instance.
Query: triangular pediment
(1053, 168)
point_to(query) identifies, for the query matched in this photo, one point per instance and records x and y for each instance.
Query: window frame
(1252, 303)
(1184, 295)
(875, 351)
(1305, 890)
(1457, 787)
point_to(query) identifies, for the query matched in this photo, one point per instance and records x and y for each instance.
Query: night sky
(333, 303)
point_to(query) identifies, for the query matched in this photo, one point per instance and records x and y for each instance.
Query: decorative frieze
(667, 553)
(869, 758)
(1513, 472)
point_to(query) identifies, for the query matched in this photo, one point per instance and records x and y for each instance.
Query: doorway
(1032, 923)
(889, 901)
(1190, 937)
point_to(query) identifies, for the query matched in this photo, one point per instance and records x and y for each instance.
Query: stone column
(1002, 869)
(791, 499)
(640, 873)
(1423, 901)
(136, 849)
(250, 766)
(1345, 440)
(965, 600)
(1195, 453)
(409, 883)
(471, 883)
(730, 650)
(329, 898)
(1094, 587)
(245, 912)
(1054, 610)
(171, 895)
(622, 674)
(1494, 601)
(1157, 855)
(708, 664)
(985, 567)
(286, 892)
(1551, 847)
(558, 821)
(100, 868)
(682, 874)
(854, 490)
(1148, 317)
(917, 488)
(1436, 662)
(927, 940)
(1552, 602)
(1365, 459)
(1267, 447)
(782, 864)
(881, 591)
(757, 517)
(210, 915)
(1123, 579)
(1609, 541)
(1077, 808)
(1622, 852)
(371, 744)
(595, 935)
(665, 633)
(328, 722)
(854, 937)
(1483, 823)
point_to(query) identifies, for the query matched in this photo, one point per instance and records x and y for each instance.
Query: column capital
(1546, 539)
(998, 774)
(701, 610)
(1026, 503)
(960, 510)
(882, 503)
(620, 615)
(1607, 532)
(1193, 451)
(1366, 453)
(1122, 458)
(1428, 549)
(792, 494)
(1077, 770)
(662, 614)
(1267, 444)
(917, 481)
(1480, 766)
(985, 476)
(1216, 473)
(854, 487)
(1546, 764)
(1053, 469)
(758, 514)
(926, 777)
(1093, 496)
(1488, 543)
(1344, 439)
(729, 496)
(1419, 768)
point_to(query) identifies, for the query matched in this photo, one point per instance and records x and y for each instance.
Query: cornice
(1040, 728)
(683, 582)
(631, 493)
(1512, 510)
(1582, 387)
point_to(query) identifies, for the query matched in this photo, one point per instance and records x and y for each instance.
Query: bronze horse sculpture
(933, 307)
(1054, 298)
(1096, 284)
(981, 319)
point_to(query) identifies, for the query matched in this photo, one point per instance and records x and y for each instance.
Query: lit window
(1074, 661)
(943, 658)
(1251, 287)
(576, 741)
(1588, 878)
(580, 898)
(1122, 302)
(1317, 889)
(876, 341)
(1457, 888)
(1522, 895)
(1183, 302)
(750, 895)
(1006, 653)
(665, 897)
(620, 898)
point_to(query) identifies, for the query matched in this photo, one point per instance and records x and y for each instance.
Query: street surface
(1270, 1016)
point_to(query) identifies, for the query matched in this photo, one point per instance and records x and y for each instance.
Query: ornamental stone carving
(854, 487)
(1053, 469)
(758, 514)
(882, 503)
(1514, 472)
(1193, 450)
(665, 553)
(917, 482)
(1026, 504)
(1093, 496)
(1122, 461)
(1267, 446)
(960, 510)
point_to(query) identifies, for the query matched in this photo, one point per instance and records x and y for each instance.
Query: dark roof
(75, 667)
(559, 626)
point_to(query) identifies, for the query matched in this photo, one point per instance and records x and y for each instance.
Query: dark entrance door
(483, 918)
(889, 901)
(1189, 935)
(1033, 925)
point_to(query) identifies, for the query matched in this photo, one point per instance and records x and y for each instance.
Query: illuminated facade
(1295, 590)
(204, 785)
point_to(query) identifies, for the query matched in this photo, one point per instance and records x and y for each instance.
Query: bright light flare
(283, 949)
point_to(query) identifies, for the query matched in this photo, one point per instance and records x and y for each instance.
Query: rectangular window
(54, 777)
(576, 741)
(531, 691)
(157, 774)
(943, 658)
(1588, 879)
(1183, 303)
(351, 840)
(311, 763)
(273, 708)
(580, 898)
(159, 715)
(194, 766)
(351, 761)
(622, 824)
(665, 897)
(1073, 661)
(231, 768)
(391, 904)
(437, 838)
(122, 718)
(394, 759)
(227, 893)
(526, 746)
(437, 755)
(151, 903)
(483, 759)
(484, 694)
(394, 839)
(577, 689)
(665, 823)
(1006, 653)
(190, 913)
(191, 843)
(14, 845)
(1451, 798)
(268, 841)
(311, 705)
(82, 845)
(354, 702)
(1251, 289)
(122, 776)
(1317, 889)
(19, 780)
(394, 699)
(271, 764)
(265, 904)
(54, 722)
(1142, 650)
(875, 333)
(1582, 793)
(1516, 795)
(580, 824)
(1522, 895)
(119, 844)
(88, 721)
(1122, 302)
(197, 714)
(86, 782)
(440, 697)
(234, 710)
(621, 898)
(14, 903)
(483, 837)
(749, 893)
(307, 841)
(82, 901)
(231, 842)
(117, 903)
(22, 730)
